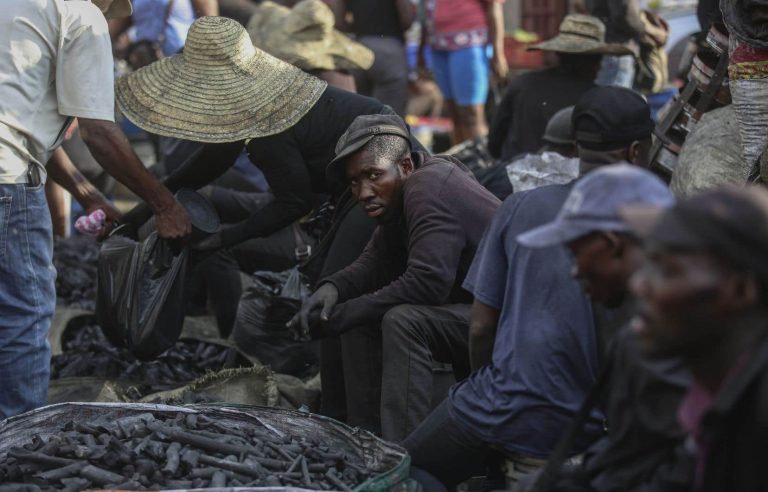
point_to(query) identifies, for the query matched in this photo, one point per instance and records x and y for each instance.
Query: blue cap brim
(562, 231)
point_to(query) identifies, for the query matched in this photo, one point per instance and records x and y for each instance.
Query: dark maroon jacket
(422, 257)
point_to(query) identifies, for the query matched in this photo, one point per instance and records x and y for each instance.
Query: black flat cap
(360, 132)
(607, 118)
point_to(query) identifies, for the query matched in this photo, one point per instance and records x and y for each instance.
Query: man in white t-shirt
(55, 65)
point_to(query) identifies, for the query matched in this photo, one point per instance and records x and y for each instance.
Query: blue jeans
(617, 71)
(448, 450)
(27, 297)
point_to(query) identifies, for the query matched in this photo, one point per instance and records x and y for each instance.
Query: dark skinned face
(377, 184)
(603, 263)
(683, 302)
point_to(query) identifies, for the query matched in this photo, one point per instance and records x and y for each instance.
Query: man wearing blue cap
(642, 393)
(533, 345)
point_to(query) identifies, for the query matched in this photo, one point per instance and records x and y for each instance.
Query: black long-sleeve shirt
(530, 101)
(423, 257)
(292, 161)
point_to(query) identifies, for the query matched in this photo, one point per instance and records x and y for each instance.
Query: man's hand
(324, 299)
(100, 202)
(173, 222)
(111, 149)
(499, 65)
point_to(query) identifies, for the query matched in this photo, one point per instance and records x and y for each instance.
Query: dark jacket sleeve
(435, 243)
(284, 167)
(502, 121)
(372, 269)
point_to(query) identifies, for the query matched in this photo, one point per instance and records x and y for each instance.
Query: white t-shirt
(55, 63)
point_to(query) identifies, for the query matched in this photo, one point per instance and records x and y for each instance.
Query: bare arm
(496, 33)
(118, 27)
(205, 8)
(406, 13)
(112, 151)
(62, 171)
(483, 323)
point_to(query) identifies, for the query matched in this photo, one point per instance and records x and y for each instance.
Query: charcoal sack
(140, 295)
(265, 307)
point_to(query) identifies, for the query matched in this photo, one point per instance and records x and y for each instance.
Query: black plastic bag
(260, 329)
(140, 296)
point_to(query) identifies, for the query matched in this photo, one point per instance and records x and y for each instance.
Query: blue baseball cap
(595, 202)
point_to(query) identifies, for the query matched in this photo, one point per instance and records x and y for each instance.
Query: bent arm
(111, 149)
(483, 324)
(61, 170)
(435, 243)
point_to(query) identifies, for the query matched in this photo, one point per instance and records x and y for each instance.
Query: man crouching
(400, 305)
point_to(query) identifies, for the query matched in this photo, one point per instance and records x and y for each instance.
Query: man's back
(530, 101)
(545, 353)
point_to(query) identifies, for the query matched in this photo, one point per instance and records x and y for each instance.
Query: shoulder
(339, 99)
(82, 16)
(434, 174)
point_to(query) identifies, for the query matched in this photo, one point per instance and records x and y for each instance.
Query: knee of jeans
(396, 320)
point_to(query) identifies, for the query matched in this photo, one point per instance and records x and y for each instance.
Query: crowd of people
(603, 335)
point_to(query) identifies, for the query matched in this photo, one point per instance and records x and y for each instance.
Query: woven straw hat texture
(304, 36)
(581, 34)
(219, 89)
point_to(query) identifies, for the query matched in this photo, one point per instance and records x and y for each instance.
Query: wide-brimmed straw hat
(581, 34)
(219, 89)
(113, 9)
(305, 37)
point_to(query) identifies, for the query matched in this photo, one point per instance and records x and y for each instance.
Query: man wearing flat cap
(55, 65)
(533, 346)
(400, 306)
(702, 296)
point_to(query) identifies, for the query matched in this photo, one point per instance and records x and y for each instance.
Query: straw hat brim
(564, 43)
(336, 53)
(331, 51)
(216, 104)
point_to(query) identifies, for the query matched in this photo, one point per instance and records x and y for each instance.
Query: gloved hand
(306, 323)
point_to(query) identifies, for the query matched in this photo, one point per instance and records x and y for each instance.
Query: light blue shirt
(149, 23)
(545, 353)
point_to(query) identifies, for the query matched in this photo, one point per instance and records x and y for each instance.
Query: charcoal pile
(76, 261)
(87, 353)
(180, 450)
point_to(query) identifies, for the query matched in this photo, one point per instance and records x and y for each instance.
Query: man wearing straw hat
(533, 98)
(223, 91)
(55, 65)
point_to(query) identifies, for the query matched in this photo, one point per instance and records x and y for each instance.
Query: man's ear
(406, 165)
(632, 152)
(742, 290)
